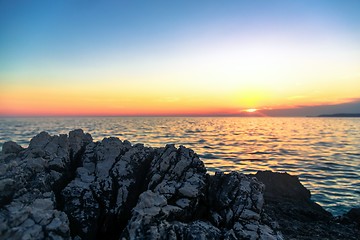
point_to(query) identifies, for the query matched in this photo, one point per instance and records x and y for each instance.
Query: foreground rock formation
(288, 202)
(69, 187)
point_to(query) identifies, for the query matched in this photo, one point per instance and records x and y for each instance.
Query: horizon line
(259, 114)
(172, 115)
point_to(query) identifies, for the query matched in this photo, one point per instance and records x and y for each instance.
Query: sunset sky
(178, 57)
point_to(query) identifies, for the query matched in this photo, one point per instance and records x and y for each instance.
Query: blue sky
(47, 42)
(64, 29)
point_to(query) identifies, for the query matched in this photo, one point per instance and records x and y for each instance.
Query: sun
(251, 110)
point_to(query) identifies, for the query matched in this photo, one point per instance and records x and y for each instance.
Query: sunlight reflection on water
(324, 152)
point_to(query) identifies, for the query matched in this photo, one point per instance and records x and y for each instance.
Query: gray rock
(8, 188)
(235, 203)
(33, 216)
(92, 194)
(290, 209)
(11, 147)
(175, 177)
(29, 183)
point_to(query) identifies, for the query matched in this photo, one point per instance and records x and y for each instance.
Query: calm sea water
(323, 152)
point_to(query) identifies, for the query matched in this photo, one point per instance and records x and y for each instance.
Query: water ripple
(323, 152)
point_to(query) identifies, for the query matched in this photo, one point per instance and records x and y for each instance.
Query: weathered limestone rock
(33, 216)
(175, 186)
(235, 203)
(99, 178)
(29, 183)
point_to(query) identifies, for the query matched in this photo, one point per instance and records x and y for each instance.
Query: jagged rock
(176, 184)
(100, 177)
(33, 216)
(235, 203)
(31, 180)
(178, 175)
(68, 186)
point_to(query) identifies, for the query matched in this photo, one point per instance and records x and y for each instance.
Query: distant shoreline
(340, 115)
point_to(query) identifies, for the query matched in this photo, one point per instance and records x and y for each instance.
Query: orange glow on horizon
(50, 102)
(99, 99)
(217, 62)
(251, 110)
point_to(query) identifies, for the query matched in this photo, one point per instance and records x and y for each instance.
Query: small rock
(354, 215)
(11, 147)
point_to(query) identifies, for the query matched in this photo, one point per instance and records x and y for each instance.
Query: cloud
(351, 105)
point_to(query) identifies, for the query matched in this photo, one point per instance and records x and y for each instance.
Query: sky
(179, 57)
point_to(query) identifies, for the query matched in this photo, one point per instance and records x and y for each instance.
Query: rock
(105, 170)
(11, 147)
(174, 176)
(283, 186)
(69, 187)
(77, 140)
(235, 202)
(30, 184)
(291, 196)
(33, 216)
(8, 188)
(353, 215)
(288, 205)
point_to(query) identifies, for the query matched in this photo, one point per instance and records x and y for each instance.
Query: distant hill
(315, 110)
(341, 115)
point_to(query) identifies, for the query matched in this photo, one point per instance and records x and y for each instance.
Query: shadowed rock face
(288, 203)
(69, 187)
(353, 216)
(291, 196)
(30, 180)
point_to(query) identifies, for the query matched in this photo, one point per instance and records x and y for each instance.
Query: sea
(323, 152)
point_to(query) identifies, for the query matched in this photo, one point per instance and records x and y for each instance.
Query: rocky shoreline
(70, 187)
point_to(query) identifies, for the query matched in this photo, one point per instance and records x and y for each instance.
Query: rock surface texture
(69, 187)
